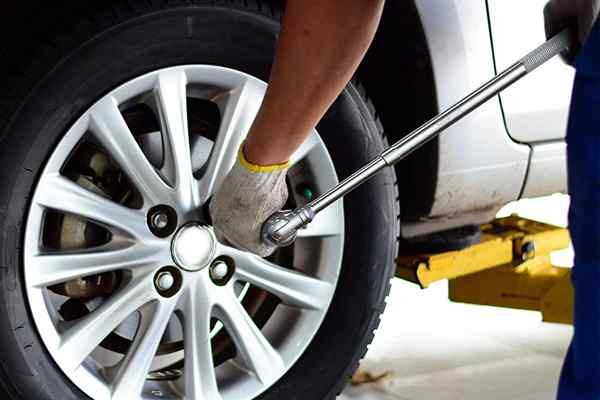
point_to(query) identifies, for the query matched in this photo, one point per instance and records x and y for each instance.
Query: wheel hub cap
(193, 247)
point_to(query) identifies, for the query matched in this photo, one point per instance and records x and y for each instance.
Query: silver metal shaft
(421, 135)
(282, 227)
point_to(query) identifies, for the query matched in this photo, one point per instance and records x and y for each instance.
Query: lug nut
(164, 281)
(160, 220)
(219, 271)
(168, 281)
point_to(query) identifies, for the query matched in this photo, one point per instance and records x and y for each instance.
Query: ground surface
(434, 349)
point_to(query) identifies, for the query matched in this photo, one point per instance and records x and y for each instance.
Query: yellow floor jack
(511, 267)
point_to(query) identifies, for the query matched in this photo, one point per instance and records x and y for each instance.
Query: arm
(321, 45)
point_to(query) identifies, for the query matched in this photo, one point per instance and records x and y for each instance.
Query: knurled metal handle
(551, 48)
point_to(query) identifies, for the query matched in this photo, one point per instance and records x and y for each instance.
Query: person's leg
(580, 377)
(320, 47)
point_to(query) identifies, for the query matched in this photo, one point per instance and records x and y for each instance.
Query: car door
(535, 109)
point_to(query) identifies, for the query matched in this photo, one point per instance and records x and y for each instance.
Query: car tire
(113, 45)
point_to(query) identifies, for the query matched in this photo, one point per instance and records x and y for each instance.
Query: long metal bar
(422, 135)
(281, 228)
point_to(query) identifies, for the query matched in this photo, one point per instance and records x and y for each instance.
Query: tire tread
(388, 286)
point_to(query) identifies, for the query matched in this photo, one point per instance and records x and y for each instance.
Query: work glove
(580, 15)
(249, 195)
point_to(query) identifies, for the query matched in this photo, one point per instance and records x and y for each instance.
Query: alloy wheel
(120, 247)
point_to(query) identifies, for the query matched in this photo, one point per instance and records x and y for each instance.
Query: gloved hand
(249, 195)
(578, 14)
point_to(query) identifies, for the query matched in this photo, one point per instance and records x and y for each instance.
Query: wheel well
(398, 76)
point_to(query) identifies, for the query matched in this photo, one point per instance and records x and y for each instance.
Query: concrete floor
(434, 349)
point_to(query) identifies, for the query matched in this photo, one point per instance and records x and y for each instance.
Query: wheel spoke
(311, 143)
(78, 341)
(293, 288)
(238, 113)
(109, 127)
(59, 193)
(326, 223)
(133, 369)
(61, 266)
(172, 104)
(251, 344)
(200, 378)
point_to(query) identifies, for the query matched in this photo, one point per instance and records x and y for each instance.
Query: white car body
(513, 146)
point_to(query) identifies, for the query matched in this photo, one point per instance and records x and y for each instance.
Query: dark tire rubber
(109, 46)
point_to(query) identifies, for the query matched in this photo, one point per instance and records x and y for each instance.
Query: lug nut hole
(162, 220)
(221, 270)
(168, 281)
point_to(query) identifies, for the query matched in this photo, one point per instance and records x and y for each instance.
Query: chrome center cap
(193, 247)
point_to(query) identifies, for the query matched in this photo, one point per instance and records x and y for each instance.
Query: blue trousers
(580, 378)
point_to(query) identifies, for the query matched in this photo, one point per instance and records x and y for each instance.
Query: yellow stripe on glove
(258, 169)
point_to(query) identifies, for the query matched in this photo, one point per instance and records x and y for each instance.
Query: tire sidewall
(234, 38)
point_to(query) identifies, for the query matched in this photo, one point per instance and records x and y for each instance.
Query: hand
(577, 14)
(249, 195)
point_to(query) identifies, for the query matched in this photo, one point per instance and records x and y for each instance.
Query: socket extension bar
(282, 227)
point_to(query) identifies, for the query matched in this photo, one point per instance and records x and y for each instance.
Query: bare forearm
(320, 47)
